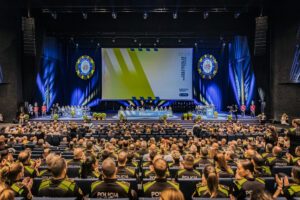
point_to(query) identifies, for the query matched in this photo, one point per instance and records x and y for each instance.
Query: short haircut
(58, 166)
(108, 167)
(160, 167)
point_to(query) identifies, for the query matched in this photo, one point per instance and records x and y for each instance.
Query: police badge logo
(85, 67)
(207, 66)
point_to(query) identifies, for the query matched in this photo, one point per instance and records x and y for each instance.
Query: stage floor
(222, 117)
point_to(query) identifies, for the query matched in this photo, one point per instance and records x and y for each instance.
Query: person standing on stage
(36, 110)
(235, 111)
(252, 109)
(44, 110)
(243, 110)
(30, 110)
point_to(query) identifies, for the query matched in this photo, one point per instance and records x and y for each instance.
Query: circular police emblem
(85, 67)
(207, 66)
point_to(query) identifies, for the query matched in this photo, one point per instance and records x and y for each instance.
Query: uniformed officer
(150, 173)
(48, 161)
(154, 188)
(276, 159)
(30, 169)
(245, 182)
(110, 187)
(13, 177)
(78, 156)
(210, 187)
(124, 171)
(188, 172)
(284, 187)
(59, 185)
(260, 169)
(268, 151)
(203, 160)
(90, 167)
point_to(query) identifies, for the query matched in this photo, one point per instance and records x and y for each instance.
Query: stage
(175, 117)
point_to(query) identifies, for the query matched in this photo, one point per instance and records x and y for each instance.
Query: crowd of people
(157, 163)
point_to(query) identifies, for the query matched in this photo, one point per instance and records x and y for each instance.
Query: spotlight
(179, 40)
(140, 44)
(196, 44)
(154, 44)
(223, 44)
(175, 15)
(98, 45)
(236, 15)
(84, 15)
(145, 16)
(77, 45)
(113, 40)
(114, 15)
(135, 40)
(54, 15)
(157, 40)
(205, 14)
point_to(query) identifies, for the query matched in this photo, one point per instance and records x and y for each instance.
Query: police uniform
(266, 155)
(188, 174)
(94, 174)
(277, 161)
(291, 191)
(154, 188)
(151, 174)
(202, 161)
(223, 173)
(74, 162)
(59, 188)
(263, 171)
(110, 188)
(202, 191)
(45, 173)
(29, 171)
(20, 190)
(132, 163)
(125, 172)
(244, 187)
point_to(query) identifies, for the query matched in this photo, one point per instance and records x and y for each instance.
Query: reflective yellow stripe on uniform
(260, 180)
(239, 183)
(17, 189)
(29, 169)
(181, 171)
(293, 189)
(147, 185)
(223, 190)
(175, 185)
(197, 172)
(201, 189)
(124, 185)
(44, 184)
(95, 184)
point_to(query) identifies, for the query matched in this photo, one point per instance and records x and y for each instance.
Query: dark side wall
(285, 96)
(10, 59)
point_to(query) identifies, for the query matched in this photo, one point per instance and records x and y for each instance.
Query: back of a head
(77, 153)
(7, 194)
(296, 174)
(189, 161)
(260, 194)
(23, 156)
(58, 166)
(160, 168)
(50, 158)
(89, 145)
(258, 160)
(277, 151)
(10, 173)
(212, 180)
(108, 168)
(204, 152)
(171, 194)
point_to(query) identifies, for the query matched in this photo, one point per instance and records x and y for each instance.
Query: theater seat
(188, 186)
(282, 169)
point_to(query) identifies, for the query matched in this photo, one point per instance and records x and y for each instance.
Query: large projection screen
(147, 72)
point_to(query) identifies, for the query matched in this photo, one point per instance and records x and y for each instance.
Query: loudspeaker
(28, 28)
(260, 41)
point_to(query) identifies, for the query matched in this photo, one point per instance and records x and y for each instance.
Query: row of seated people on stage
(142, 108)
(65, 111)
(155, 163)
